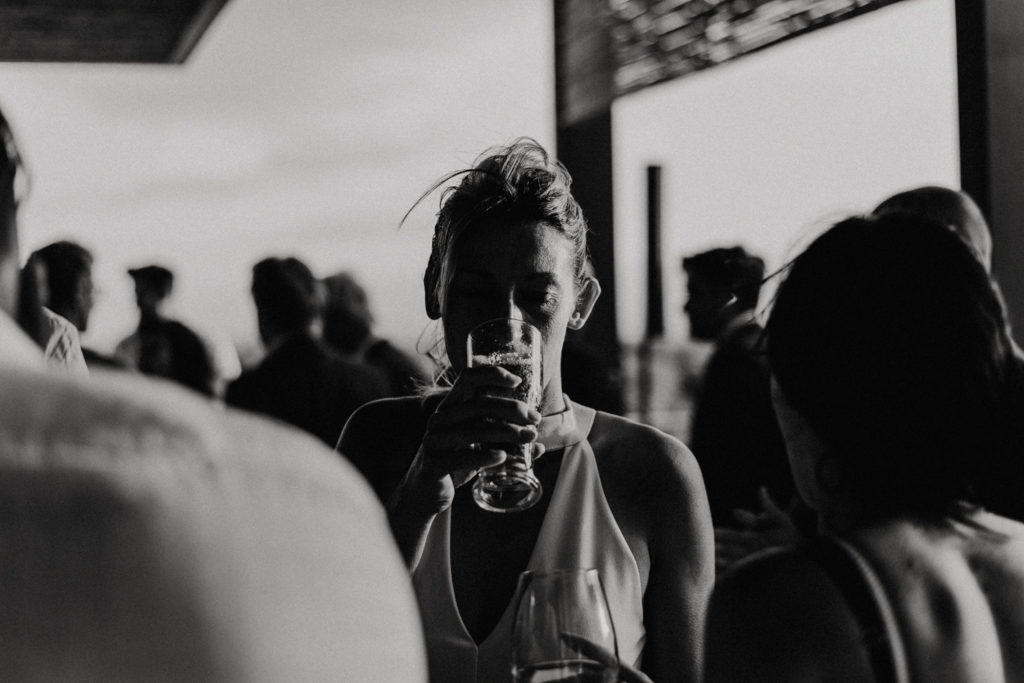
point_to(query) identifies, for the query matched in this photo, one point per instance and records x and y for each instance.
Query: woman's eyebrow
(544, 276)
(472, 272)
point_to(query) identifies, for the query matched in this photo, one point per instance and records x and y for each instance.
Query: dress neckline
(561, 429)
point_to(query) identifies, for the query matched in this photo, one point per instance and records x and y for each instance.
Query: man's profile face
(84, 300)
(707, 308)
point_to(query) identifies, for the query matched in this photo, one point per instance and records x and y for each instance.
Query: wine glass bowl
(563, 629)
(516, 346)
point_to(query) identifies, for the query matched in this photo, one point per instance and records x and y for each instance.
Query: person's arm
(448, 453)
(682, 567)
(768, 527)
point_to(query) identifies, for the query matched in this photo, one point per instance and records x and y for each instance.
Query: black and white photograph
(478, 341)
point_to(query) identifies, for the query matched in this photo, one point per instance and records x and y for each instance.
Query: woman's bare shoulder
(1001, 536)
(959, 588)
(618, 437)
(655, 489)
(985, 544)
(638, 455)
(996, 560)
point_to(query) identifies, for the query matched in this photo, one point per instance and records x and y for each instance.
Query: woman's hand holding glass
(515, 345)
(454, 447)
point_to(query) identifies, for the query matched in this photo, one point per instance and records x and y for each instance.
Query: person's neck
(153, 309)
(279, 339)
(734, 323)
(150, 318)
(359, 352)
(553, 400)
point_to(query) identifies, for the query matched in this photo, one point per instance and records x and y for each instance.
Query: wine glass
(563, 629)
(514, 345)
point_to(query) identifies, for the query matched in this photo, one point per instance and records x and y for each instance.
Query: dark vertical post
(584, 74)
(990, 57)
(655, 314)
(586, 150)
(972, 100)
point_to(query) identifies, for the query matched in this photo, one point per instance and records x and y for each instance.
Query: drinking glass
(563, 630)
(514, 345)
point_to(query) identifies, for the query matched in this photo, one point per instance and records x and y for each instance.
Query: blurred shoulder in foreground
(149, 533)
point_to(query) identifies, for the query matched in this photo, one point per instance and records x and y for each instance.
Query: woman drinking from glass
(510, 242)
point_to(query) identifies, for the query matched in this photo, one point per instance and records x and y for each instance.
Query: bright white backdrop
(305, 128)
(308, 128)
(770, 149)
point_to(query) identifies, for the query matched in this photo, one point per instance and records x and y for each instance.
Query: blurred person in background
(898, 393)
(148, 537)
(772, 527)
(161, 346)
(735, 437)
(55, 335)
(69, 284)
(348, 328)
(69, 290)
(300, 380)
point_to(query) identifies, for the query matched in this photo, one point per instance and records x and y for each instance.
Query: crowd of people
(320, 359)
(846, 509)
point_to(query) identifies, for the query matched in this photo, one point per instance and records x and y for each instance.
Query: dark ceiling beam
(105, 31)
(194, 30)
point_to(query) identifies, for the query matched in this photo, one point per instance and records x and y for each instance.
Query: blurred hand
(592, 650)
(770, 527)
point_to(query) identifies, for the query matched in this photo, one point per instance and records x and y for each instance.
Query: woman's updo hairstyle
(518, 182)
(888, 337)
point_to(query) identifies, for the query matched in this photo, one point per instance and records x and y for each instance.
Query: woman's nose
(512, 310)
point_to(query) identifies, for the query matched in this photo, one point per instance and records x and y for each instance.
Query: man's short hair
(348, 319)
(286, 292)
(66, 263)
(156, 277)
(10, 167)
(953, 208)
(728, 269)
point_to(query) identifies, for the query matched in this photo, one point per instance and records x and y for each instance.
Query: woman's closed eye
(546, 298)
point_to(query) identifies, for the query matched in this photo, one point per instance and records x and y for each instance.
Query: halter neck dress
(578, 531)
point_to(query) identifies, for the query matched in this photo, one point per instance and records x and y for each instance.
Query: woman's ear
(430, 278)
(585, 300)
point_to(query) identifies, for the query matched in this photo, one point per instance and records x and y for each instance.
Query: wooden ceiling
(137, 31)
